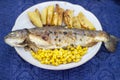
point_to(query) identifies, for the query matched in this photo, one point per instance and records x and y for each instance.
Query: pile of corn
(60, 56)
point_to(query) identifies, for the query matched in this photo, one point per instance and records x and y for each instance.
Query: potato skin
(35, 18)
(76, 23)
(68, 15)
(86, 24)
(55, 19)
(50, 11)
(60, 14)
(44, 16)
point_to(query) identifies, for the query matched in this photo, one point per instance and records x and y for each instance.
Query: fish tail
(111, 43)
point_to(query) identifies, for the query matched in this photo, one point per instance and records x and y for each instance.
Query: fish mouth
(5, 38)
(15, 44)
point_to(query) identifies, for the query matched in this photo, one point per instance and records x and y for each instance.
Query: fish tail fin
(111, 43)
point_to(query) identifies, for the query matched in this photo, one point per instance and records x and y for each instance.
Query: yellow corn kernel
(69, 60)
(82, 53)
(42, 62)
(77, 56)
(76, 60)
(64, 62)
(73, 57)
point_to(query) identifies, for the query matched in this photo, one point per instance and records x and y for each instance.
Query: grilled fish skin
(58, 37)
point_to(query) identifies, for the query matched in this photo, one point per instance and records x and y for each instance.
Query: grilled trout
(59, 37)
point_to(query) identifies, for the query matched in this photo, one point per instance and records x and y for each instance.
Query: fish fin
(111, 43)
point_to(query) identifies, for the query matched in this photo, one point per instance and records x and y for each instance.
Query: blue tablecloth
(104, 66)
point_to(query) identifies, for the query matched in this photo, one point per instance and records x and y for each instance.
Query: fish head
(16, 38)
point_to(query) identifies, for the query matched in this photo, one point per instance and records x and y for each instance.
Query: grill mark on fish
(45, 38)
(64, 33)
(59, 40)
(80, 39)
(56, 36)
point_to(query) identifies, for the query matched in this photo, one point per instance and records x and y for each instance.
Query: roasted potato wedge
(68, 15)
(59, 11)
(75, 22)
(44, 16)
(86, 24)
(55, 19)
(35, 18)
(50, 11)
(38, 13)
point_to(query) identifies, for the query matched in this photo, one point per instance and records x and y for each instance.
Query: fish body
(58, 37)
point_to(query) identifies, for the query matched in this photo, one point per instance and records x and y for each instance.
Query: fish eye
(11, 33)
(17, 35)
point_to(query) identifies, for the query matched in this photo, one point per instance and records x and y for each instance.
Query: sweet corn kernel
(76, 60)
(69, 60)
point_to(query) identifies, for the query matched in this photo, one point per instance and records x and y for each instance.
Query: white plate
(23, 22)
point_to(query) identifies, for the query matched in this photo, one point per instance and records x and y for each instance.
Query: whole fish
(58, 37)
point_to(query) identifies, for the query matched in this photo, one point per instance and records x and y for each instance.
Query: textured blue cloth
(104, 66)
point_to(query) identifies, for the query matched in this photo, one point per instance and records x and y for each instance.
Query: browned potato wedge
(50, 11)
(68, 15)
(38, 13)
(44, 16)
(55, 19)
(35, 19)
(86, 24)
(60, 14)
(76, 23)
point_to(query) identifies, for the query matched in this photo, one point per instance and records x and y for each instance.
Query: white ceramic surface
(23, 22)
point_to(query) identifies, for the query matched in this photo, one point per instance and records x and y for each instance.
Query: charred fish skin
(58, 37)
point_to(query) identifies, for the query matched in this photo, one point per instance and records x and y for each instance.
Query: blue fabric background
(104, 66)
